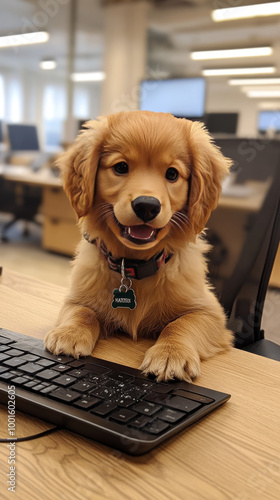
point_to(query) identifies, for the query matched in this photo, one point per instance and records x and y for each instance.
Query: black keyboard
(110, 403)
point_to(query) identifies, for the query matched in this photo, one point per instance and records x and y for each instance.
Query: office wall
(41, 98)
(222, 98)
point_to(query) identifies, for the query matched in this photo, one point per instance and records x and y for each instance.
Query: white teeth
(128, 230)
(150, 236)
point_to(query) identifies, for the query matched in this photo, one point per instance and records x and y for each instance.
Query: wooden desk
(60, 231)
(17, 173)
(233, 454)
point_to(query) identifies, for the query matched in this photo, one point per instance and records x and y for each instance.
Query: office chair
(241, 285)
(21, 200)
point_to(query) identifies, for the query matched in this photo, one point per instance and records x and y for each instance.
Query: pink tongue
(142, 232)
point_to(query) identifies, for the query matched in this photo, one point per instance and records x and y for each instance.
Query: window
(54, 114)
(2, 100)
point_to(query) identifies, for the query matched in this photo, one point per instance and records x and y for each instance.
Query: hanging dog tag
(124, 296)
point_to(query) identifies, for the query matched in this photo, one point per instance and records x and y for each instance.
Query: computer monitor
(252, 160)
(23, 137)
(222, 123)
(269, 120)
(182, 97)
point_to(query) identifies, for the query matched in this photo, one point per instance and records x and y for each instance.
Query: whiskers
(179, 221)
(104, 212)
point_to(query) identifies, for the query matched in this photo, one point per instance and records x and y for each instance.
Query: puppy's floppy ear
(79, 165)
(208, 168)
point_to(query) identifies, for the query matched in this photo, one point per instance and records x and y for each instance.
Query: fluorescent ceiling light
(271, 105)
(225, 54)
(95, 76)
(237, 71)
(50, 64)
(246, 11)
(24, 39)
(254, 81)
(259, 88)
(263, 93)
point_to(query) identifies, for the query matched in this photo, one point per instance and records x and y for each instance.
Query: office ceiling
(175, 28)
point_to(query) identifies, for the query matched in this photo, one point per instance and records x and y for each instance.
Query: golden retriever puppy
(143, 186)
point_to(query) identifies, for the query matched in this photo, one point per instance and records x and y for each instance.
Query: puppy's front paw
(167, 361)
(73, 340)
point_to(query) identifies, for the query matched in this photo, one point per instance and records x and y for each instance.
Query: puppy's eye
(121, 168)
(172, 174)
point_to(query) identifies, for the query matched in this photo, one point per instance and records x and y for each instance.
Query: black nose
(146, 207)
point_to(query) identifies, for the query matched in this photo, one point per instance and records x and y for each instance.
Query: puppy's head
(143, 179)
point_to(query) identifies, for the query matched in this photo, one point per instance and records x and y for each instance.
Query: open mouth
(140, 234)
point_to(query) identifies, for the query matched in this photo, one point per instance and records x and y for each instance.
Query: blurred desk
(232, 454)
(42, 177)
(60, 231)
(248, 197)
(238, 205)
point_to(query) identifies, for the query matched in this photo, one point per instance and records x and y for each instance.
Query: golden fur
(176, 305)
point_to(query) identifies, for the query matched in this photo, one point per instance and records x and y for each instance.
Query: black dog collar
(133, 268)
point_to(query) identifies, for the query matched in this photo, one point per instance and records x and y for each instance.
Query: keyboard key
(83, 386)
(123, 415)
(121, 377)
(78, 373)
(31, 368)
(124, 400)
(156, 427)
(30, 357)
(65, 395)
(14, 362)
(114, 384)
(161, 389)
(194, 397)
(19, 380)
(6, 376)
(139, 422)
(48, 374)
(14, 352)
(170, 415)
(31, 383)
(4, 348)
(64, 380)
(89, 365)
(146, 408)
(43, 362)
(3, 356)
(87, 403)
(16, 373)
(4, 340)
(154, 397)
(3, 369)
(76, 364)
(95, 377)
(135, 392)
(103, 393)
(38, 387)
(48, 389)
(62, 359)
(61, 368)
(182, 404)
(144, 384)
(104, 409)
